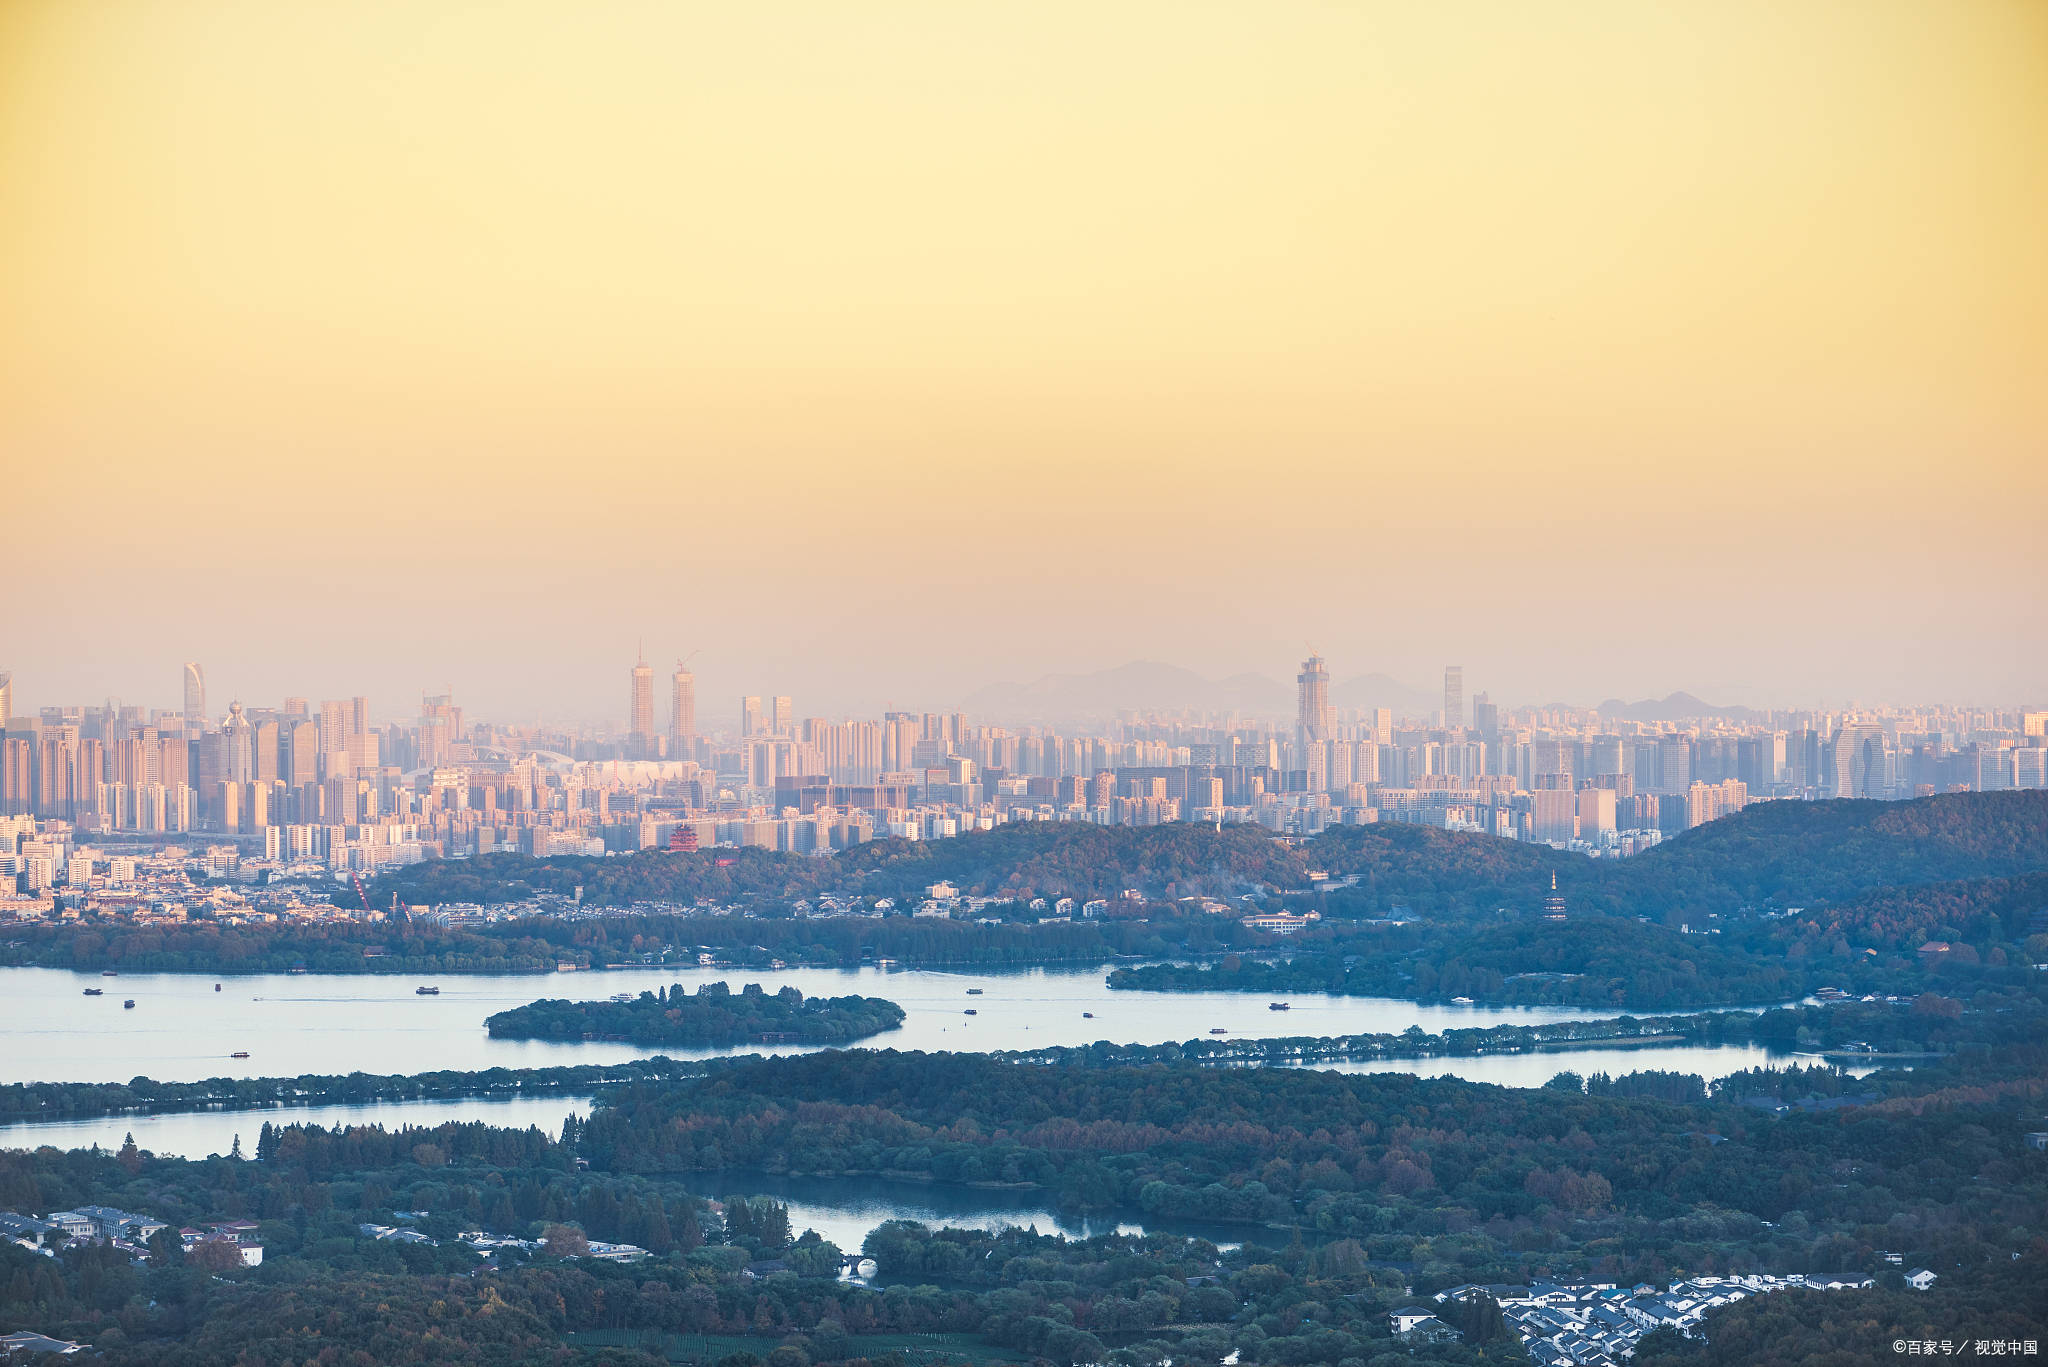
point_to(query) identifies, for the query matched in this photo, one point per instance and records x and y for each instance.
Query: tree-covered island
(712, 1015)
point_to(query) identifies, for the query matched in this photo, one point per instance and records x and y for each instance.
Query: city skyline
(1138, 687)
(332, 783)
(1640, 349)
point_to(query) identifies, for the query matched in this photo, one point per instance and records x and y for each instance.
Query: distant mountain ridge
(1382, 690)
(1149, 684)
(1675, 707)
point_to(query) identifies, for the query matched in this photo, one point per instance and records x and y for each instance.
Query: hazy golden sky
(883, 350)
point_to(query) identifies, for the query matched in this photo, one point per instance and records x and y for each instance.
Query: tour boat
(1218, 1030)
(426, 991)
(1279, 1006)
(108, 973)
(216, 987)
(1461, 1001)
(239, 1053)
(974, 992)
(128, 1005)
(1087, 1015)
(972, 1012)
(95, 992)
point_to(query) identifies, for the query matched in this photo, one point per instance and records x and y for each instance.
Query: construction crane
(357, 879)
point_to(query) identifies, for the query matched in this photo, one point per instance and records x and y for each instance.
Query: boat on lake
(1279, 1006)
(1461, 1001)
(128, 1005)
(435, 992)
(974, 992)
(1087, 1015)
(1218, 1030)
(216, 987)
(972, 1012)
(95, 992)
(108, 973)
(239, 1053)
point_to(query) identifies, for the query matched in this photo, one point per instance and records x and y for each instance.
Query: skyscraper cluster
(163, 772)
(322, 785)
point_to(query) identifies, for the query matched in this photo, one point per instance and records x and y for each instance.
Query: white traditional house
(25, 1230)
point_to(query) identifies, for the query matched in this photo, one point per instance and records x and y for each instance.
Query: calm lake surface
(1710, 1061)
(181, 1030)
(195, 1134)
(845, 1210)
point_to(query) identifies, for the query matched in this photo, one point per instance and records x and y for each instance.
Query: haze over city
(885, 355)
(1024, 683)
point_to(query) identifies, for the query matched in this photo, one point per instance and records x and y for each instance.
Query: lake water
(195, 1134)
(844, 1210)
(1533, 1069)
(182, 1030)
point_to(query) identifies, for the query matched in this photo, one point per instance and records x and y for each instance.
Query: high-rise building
(1674, 764)
(642, 705)
(785, 716)
(239, 746)
(1454, 696)
(362, 741)
(1853, 752)
(1596, 811)
(750, 716)
(6, 697)
(299, 760)
(195, 696)
(1312, 701)
(267, 733)
(335, 755)
(17, 776)
(682, 712)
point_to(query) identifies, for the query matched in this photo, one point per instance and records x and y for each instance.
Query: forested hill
(1772, 854)
(1967, 868)
(1599, 961)
(1966, 913)
(1778, 854)
(1024, 859)
(1806, 853)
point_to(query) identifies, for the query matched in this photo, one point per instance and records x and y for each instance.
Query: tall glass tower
(1312, 701)
(195, 696)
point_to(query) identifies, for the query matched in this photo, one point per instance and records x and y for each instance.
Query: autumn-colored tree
(215, 1255)
(565, 1241)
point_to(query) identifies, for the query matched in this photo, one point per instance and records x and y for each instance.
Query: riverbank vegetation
(26, 1101)
(1385, 1157)
(1349, 1191)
